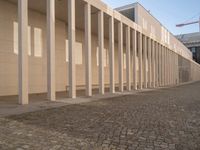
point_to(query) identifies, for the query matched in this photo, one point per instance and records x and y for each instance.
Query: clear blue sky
(168, 12)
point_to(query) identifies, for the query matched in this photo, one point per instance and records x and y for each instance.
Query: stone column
(165, 70)
(101, 50)
(23, 52)
(163, 66)
(72, 54)
(177, 64)
(156, 64)
(140, 61)
(145, 61)
(167, 67)
(128, 80)
(120, 55)
(134, 42)
(159, 64)
(153, 64)
(149, 63)
(111, 52)
(88, 55)
(51, 50)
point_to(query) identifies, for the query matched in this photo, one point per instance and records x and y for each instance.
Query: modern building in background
(54, 46)
(192, 42)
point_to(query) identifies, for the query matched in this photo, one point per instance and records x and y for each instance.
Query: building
(192, 42)
(50, 46)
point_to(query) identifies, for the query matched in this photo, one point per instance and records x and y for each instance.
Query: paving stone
(153, 120)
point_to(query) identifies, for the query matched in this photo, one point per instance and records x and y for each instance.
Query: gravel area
(161, 119)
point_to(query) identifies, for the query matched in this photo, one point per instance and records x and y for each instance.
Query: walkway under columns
(160, 60)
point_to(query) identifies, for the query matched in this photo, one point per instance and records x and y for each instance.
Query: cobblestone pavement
(161, 119)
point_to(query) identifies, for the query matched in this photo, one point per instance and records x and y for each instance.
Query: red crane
(189, 23)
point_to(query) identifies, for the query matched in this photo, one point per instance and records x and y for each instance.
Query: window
(193, 50)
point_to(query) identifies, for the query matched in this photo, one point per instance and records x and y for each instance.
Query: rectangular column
(163, 66)
(72, 37)
(23, 52)
(177, 75)
(149, 63)
(140, 61)
(101, 50)
(167, 67)
(159, 64)
(88, 55)
(51, 50)
(111, 52)
(165, 71)
(120, 55)
(134, 42)
(170, 56)
(145, 61)
(153, 64)
(156, 64)
(174, 68)
(128, 80)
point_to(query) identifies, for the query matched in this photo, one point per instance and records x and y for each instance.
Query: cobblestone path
(161, 119)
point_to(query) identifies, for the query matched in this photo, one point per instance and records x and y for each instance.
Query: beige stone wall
(38, 53)
(155, 29)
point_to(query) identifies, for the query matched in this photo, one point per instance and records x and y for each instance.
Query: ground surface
(162, 119)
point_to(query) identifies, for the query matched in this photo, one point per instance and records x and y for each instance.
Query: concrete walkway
(167, 118)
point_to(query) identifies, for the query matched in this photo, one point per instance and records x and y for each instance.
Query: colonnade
(158, 65)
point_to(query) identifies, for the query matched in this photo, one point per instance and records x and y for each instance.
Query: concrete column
(169, 66)
(101, 51)
(170, 56)
(153, 64)
(134, 42)
(23, 52)
(156, 64)
(140, 61)
(165, 68)
(149, 63)
(169, 59)
(111, 52)
(128, 80)
(51, 49)
(88, 55)
(145, 61)
(174, 80)
(120, 55)
(177, 75)
(159, 65)
(161, 57)
(72, 37)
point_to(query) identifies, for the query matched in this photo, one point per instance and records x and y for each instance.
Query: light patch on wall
(66, 51)
(79, 52)
(124, 60)
(38, 44)
(147, 68)
(29, 40)
(153, 32)
(144, 23)
(105, 57)
(15, 38)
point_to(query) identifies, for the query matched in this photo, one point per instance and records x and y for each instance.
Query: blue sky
(169, 12)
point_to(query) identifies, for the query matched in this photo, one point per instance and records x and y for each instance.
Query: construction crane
(189, 23)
